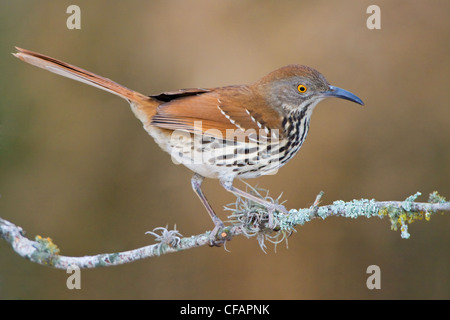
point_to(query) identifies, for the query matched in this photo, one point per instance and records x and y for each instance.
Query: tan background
(76, 165)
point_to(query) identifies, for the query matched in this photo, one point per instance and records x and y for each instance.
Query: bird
(224, 133)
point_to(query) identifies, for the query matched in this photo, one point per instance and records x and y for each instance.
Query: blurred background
(76, 166)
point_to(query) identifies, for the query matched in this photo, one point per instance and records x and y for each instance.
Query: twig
(247, 218)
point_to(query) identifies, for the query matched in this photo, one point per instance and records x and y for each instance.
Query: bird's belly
(218, 158)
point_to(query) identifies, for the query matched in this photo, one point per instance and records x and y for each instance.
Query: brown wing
(214, 111)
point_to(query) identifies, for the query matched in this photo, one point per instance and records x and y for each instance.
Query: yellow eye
(301, 88)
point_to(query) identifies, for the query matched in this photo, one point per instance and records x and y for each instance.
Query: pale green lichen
(46, 253)
(359, 208)
(404, 229)
(323, 212)
(294, 217)
(254, 219)
(401, 216)
(407, 204)
(46, 245)
(435, 197)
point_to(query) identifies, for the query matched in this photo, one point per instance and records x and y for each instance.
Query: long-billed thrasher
(224, 133)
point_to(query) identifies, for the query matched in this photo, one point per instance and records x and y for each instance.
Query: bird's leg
(196, 182)
(271, 207)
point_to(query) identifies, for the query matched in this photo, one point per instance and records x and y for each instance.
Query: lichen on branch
(247, 218)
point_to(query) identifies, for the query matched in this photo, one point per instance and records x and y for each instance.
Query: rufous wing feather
(219, 112)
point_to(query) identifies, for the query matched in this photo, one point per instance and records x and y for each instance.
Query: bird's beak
(343, 94)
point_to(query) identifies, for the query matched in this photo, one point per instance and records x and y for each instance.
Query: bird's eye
(302, 88)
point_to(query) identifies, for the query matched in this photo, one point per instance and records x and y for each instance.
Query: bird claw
(277, 207)
(271, 208)
(219, 235)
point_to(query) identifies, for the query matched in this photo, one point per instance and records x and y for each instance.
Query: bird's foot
(271, 209)
(219, 235)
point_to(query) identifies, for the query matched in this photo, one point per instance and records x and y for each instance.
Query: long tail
(143, 106)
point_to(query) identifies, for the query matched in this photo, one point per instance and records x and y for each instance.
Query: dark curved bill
(343, 94)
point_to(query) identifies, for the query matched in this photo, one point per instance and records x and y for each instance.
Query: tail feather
(67, 70)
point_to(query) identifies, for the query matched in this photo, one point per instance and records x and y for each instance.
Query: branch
(247, 218)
